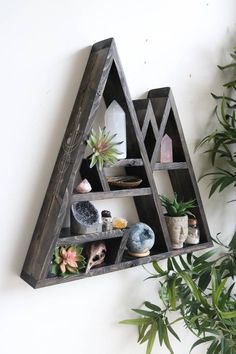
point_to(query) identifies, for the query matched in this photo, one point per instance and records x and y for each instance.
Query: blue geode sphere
(141, 238)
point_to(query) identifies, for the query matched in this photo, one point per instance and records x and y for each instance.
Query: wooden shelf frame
(104, 77)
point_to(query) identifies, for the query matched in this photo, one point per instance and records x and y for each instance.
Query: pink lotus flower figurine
(67, 260)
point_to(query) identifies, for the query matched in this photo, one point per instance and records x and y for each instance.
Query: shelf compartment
(115, 267)
(112, 194)
(66, 238)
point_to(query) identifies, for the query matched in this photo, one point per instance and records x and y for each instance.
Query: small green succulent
(177, 208)
(103, 148)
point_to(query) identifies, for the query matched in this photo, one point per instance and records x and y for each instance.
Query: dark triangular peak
(116, 89)
(180, 171)
(170, 149)
(147, 123)
(114, 95)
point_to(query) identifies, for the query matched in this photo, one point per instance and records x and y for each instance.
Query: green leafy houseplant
(199, 291)
(103, 148)
(222, 140)
(177, 207)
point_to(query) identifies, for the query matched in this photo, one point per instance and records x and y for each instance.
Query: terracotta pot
(178, 229)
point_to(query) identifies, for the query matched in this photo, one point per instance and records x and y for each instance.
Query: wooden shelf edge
(29, 279)
(77, 239)
(170, 166)
(126, 163)
(122, 193)
(191, 248)
(115, 267)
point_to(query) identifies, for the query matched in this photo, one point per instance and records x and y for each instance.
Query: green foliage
(177, 208)
(103, 148)
(199, 292)
(221, 140)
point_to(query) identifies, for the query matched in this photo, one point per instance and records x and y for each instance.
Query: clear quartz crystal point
(115, 123)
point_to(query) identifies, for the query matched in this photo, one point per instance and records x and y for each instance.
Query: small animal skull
(96, 254)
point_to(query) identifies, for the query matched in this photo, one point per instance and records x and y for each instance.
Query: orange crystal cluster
(119, 223)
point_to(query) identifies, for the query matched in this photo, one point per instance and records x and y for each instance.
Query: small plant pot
(178, 229)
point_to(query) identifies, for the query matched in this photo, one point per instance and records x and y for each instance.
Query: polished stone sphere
(141, 238)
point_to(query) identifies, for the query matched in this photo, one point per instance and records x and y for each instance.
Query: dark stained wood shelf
(66, 238)
(121, 193)
(126, 163)
(123, 265)
(146, 123)
(170, 166)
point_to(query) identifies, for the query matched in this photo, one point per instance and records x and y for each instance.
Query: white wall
(44, 48)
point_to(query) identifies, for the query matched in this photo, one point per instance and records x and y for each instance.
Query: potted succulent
(177, 218)
(103, 148)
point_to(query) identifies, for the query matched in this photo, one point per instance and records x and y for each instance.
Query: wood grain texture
(66, 238)
(170, 166)
(122, 193)
(126, 163)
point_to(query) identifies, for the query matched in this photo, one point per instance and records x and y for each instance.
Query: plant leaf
(158, 269)
(136, 321)
(217, 292)
(152, 336)
(232, 243)
(152, 306)
(201, 341)
(228, 314)
(166, 340)
(145, 313)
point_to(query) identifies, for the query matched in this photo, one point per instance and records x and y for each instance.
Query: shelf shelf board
(170, 166)
(126, 163)
(66, 238)
(122, 193)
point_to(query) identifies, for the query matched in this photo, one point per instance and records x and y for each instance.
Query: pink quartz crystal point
(166, 149)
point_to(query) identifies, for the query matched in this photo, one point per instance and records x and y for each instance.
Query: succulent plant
(67, 260)
(177, 208)
(103, 148)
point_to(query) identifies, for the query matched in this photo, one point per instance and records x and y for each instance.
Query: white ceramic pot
(178, 229)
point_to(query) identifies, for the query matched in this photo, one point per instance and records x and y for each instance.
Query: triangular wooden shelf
(104, 77)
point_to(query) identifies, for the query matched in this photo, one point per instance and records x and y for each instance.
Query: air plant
(103, 148)
(67, 260)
